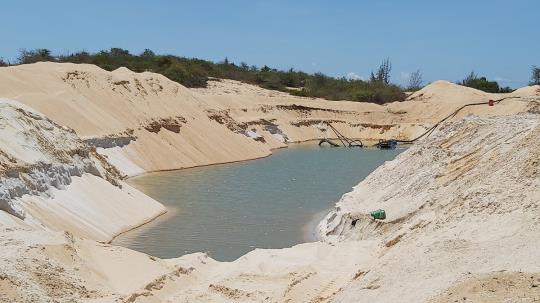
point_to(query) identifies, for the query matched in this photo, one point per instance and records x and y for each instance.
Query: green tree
(383, 72)
(535, 76)
(119, 52)
(415, 81)
(481, 83)
(505, 89)
(33, 56)
(78, 57)
(244, 66)
(148, 54)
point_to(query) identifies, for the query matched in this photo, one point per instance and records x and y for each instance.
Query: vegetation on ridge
(482, 83)
(193, 72)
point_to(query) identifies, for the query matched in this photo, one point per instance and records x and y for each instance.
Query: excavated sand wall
(41, 166)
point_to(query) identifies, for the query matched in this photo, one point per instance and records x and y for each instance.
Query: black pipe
(453, 114)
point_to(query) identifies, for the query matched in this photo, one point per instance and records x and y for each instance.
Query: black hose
(356, 143)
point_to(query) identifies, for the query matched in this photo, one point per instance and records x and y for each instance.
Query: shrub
(481, 83)
(189, 77)
(79, 57)
(36, 55)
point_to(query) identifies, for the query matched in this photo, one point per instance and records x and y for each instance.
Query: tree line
(192, 72)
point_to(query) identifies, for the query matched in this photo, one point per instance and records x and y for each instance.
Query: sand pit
(462, 204)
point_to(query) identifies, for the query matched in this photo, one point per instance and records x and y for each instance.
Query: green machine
(378, 214)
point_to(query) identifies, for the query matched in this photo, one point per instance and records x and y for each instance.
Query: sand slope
(461, 204)
(148, 122)
(51, 179)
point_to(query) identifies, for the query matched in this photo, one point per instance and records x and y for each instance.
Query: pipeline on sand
(393, 142)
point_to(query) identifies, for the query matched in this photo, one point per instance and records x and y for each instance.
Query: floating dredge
(387, 144)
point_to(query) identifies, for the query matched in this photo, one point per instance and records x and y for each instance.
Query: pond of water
(230, 209)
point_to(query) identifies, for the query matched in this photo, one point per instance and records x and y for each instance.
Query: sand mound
(527, 91)
(448, 92)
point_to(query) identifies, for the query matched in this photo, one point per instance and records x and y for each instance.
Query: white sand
(52, 180)
(462, 204)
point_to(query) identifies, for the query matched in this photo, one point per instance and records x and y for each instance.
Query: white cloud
(354, 76)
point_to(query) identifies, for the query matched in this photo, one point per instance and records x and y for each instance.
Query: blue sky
(445, 39)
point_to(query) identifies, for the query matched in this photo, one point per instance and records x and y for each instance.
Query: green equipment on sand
(379, 214)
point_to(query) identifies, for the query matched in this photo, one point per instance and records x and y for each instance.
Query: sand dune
(462, 203)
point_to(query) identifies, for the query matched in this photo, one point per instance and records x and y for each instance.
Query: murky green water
(230, 209)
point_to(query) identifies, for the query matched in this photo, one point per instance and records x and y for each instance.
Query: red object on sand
(491, 102)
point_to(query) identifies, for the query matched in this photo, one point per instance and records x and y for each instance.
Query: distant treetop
(535, 77)
(483, 84)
